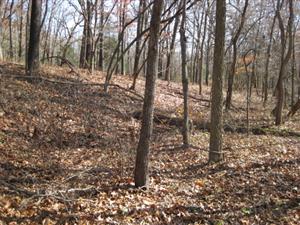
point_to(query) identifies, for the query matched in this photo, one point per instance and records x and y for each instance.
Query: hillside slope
(67, 153)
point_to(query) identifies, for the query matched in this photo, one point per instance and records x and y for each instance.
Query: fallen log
(193, 97)
(294, 109)
(161, 118)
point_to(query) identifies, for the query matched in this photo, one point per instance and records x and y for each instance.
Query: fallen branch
(16, 189)
(62, 62)
(205, 126)
(193, 97)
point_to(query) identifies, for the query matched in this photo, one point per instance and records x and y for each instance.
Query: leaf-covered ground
(67, 155)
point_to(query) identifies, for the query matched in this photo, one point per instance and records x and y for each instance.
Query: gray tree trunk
(285, 57)
(34, 37)
(216, 129)
(20, 50)
(185, 79)
(142, 157)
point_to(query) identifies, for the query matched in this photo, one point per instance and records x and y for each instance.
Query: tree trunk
(235, 46)
(266, 77)
(83, 47)
(123, 18)
(46, 48)
(185, 79)
(142, 157)
(34, 37)
(20, 51)
(27, 33)
(138, 50)
(160, 59)
(202, 49)
(88, 52)
(1, 11)
(85, 60)
(215, 146)
(11, 50)
(207, 59)
(293, 72)
(101, 35)
(231, 77)
(284, 60)
(171, 51)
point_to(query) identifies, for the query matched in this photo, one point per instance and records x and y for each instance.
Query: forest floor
(67, 153)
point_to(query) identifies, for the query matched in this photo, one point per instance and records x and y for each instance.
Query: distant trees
(234, 43)
(86, 42)
(142, 157)
(138, 45)
(114, 36)
(34, 37)
(216, 127)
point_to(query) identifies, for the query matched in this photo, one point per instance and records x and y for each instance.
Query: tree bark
(202, 49)
(101, 38)
(142, 157)
(27, 33)
(171, 50)
(293, 71)
(11, 50)
(285, 57)
(88, 52)
(215, 144)
(34, 37)
(1, 11)
(207, 59)
(185, 79)
(20, 51)
(235, 46)
(266, 77)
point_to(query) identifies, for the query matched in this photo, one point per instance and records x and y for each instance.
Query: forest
(149, 112)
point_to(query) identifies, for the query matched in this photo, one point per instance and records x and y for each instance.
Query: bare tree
(138, 50)
(11, 50)
(286, 38)
(20, 51)
(202, 48)
(234, 43)
(185, 80)
(142, 157)
(171, 50)
(1, 27)
(268, 55)
(216, 129)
